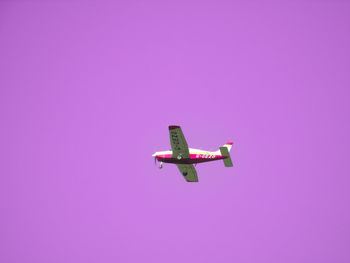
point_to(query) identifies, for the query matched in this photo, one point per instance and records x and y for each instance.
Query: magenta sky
(87, 90)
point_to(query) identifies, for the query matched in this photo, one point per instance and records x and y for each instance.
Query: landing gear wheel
(160, 165)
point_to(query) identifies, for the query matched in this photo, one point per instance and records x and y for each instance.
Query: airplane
(185, 157)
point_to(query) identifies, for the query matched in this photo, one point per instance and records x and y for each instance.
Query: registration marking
(205, 156)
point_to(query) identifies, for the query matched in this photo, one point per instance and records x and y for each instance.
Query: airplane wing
(178, 143)
(188, 171)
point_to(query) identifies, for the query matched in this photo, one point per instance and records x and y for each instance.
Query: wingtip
(172, 127)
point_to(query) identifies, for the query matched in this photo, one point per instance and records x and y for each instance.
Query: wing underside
(180, 151)
(188, 171)
(178, 143)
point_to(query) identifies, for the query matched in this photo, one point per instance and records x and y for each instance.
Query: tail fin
(225, 151)
(228, 145)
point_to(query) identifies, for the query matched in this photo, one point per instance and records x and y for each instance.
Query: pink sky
(88, 89)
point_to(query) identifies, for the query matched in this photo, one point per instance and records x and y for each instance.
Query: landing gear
(160, 165)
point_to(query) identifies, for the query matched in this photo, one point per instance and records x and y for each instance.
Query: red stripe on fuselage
(194, 158)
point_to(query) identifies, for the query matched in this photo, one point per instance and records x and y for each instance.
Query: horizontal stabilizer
(227, 160)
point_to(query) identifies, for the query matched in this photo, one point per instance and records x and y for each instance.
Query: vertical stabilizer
(228, 145)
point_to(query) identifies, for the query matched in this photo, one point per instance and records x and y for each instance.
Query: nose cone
(154, 155)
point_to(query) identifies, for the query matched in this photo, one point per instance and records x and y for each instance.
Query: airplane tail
(228, 145)
(225, 151)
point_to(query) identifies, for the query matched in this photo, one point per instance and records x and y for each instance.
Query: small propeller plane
(185, 157)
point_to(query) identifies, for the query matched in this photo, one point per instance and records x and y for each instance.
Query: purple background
(87, 90)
